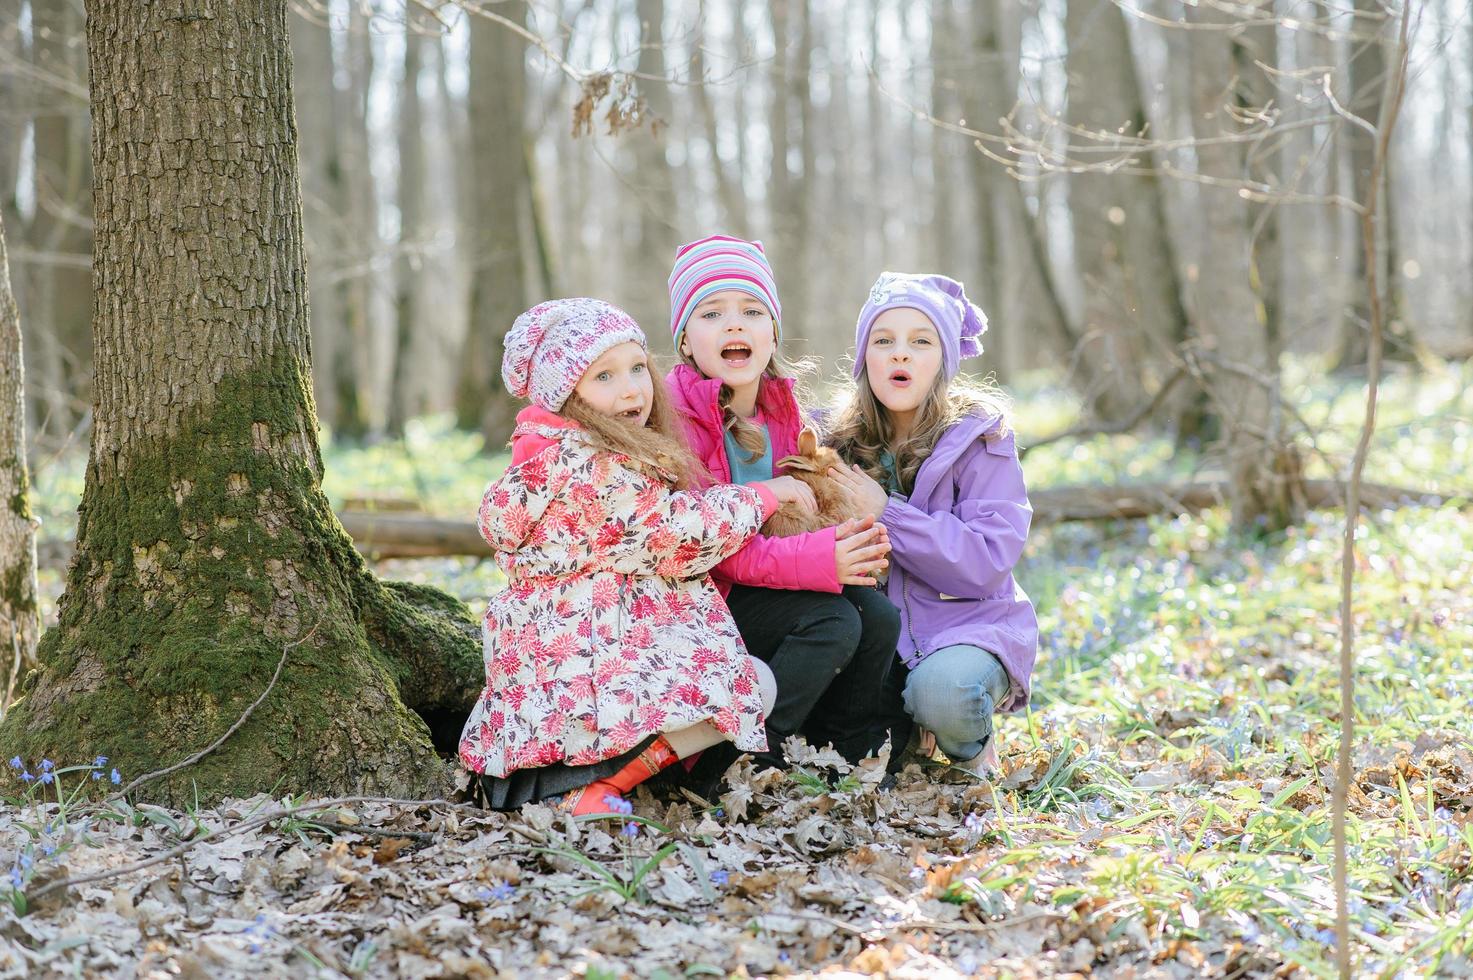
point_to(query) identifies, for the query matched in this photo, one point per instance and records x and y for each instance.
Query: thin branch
(1343, 769)
(1125, 424)
(160, 773)
(259, 820)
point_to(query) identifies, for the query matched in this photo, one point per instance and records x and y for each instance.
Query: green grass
(1169, 788)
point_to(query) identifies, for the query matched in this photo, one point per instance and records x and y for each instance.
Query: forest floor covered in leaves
(1162, 810)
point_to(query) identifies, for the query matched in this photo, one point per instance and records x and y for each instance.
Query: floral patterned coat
(610, 630)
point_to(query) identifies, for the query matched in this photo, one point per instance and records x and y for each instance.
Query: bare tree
(206, 551)
(1371, 40)
(420, 31)
(1262, 466)
(20, 622)
(497, 228)
(57, 281)
(1015, 278)
(1133, 318)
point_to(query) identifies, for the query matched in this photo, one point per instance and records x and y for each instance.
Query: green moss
(212, 551)
(16, 593)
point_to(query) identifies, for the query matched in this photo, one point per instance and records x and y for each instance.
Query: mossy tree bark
(20, 623)
(205, 545)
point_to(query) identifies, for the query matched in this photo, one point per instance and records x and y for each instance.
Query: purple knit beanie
(960, 322)
(550, 346)
(710, 265)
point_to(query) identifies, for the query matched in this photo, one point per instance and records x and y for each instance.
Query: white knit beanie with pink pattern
(550, 346)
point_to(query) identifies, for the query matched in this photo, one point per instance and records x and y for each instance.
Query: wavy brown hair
(861, 432)
(657, 448)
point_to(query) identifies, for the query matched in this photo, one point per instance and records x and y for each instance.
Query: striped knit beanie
(550, 346)
(720, 262)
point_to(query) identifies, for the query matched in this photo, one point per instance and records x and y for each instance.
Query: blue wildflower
(631, 829)
(47, 777)
(26, 777)
(100, 761)
(116, 777)
(47, 765)
(96, 775)
(502, 892)
(16, 878)
(15, 763)
(617, 804)
(720, 876)
(48, 849)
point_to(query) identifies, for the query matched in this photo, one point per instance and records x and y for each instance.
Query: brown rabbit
(811, 466)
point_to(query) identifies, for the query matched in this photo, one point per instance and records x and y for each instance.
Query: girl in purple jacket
(934, 460)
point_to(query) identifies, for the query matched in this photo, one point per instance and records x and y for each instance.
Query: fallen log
(393, 534)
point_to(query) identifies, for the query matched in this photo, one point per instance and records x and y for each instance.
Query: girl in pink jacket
(609, 655)
(805, 605)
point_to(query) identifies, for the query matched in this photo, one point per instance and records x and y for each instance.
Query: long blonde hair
(657, 448)
(862, 431)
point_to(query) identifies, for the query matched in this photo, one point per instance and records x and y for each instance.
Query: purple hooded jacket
(955, 540)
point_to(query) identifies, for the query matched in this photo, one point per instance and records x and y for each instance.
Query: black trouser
(831, 655)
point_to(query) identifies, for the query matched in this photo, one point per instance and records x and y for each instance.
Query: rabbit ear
(807, 442)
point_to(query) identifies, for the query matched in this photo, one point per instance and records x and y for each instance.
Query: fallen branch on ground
(406, 535)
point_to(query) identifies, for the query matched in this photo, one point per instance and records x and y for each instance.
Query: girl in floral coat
(610, 654)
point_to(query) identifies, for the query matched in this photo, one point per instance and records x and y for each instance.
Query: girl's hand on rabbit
(860, 548)
(869, 497)
(791, 491)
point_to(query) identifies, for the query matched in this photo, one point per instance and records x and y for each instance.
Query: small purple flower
(100, 761)
(1325, 937)
(47, 765)
(27, 777)
(47, 777)
(631, 829)
(96, 775)
(16, 878)
(48, 849)
(15, 763)
(720, 876)
(116, 777)
(503, 891)
(617, 804)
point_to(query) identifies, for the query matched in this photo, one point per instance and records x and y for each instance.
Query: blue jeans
(952, 693)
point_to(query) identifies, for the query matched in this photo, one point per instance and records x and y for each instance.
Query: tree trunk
(59, 287)
(728, 186)
(1263, 469)
(206, 550)
(654, 182)
(322, 224)
(1132, 314)
(1368, 67)
(1017, 279)
(498, 194)
(20, 622)
(358, 245)
(409, 268)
